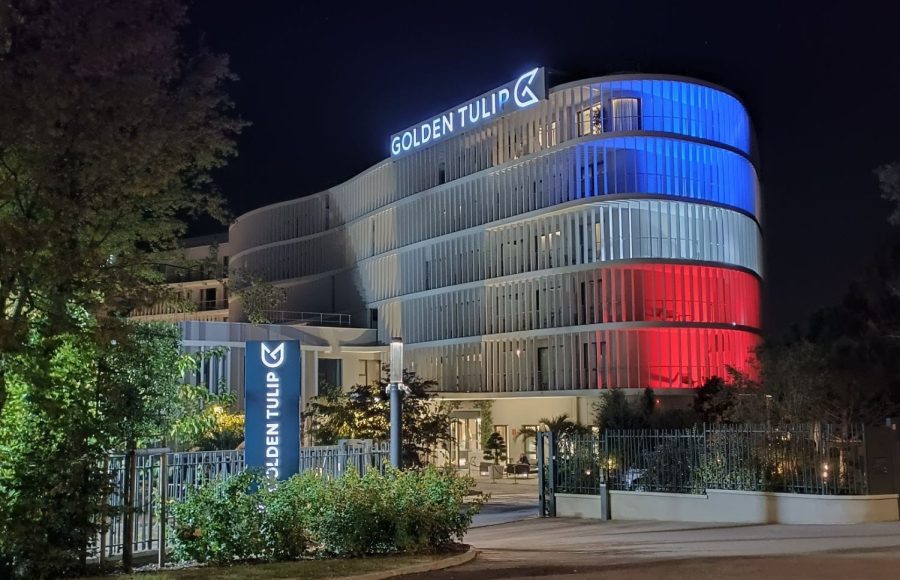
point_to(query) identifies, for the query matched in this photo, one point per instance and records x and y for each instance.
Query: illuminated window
(590, 120)
(626, 114)
(550, 141)
(531, 443)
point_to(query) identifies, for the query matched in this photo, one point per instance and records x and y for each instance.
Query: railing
(176, 274)
(169, 308)
(805, 459)
(160, 475)
(335, 460)
(308, 318)
(220, 304)
(182, 471)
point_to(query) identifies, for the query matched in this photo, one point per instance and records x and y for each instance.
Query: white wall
(748, 507)
(569, 505)
(518, 411)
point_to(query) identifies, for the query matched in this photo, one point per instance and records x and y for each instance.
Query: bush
(400, 512)
(226, 432)
(222, 521)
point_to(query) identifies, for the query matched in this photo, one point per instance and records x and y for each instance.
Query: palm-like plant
(558, 425)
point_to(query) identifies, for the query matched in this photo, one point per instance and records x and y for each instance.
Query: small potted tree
(495, 449)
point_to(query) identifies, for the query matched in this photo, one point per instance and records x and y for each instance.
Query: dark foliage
(364, 413)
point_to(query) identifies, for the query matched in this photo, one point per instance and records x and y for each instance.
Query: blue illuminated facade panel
(486, 248)
(672, 106)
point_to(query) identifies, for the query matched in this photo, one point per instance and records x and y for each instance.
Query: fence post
(704, 455)
(342, 457)
(128, 505)
(551, 436)
(604, 486)
(163, 498)
(542, 477)
(865, 460)
(104, 503)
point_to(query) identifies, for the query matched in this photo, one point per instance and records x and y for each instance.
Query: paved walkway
(561, 547)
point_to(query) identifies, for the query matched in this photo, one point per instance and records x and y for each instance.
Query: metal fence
(162, 475)
(808, 459)
(334, 460)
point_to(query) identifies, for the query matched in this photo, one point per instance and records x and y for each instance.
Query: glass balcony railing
(307, 318)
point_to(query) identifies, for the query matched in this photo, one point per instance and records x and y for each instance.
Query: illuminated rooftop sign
(517, 94)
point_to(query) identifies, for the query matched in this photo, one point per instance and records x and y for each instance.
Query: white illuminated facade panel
(582, 234)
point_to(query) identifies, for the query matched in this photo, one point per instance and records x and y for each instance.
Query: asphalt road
(504, 508)
(572, 548)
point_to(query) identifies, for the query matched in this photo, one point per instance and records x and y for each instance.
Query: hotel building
(534, 247)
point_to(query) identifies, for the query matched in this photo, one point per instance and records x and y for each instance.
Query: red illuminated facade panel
(673, 293)
(671, 358)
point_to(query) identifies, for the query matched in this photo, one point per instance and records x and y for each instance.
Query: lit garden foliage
(249, 518)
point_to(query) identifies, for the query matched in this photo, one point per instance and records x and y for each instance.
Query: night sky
(325, 86)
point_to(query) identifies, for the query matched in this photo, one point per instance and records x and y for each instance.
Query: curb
(452, 561)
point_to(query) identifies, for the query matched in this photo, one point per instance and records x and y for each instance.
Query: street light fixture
(395, 389)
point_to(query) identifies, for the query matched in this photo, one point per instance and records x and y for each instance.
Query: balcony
(163, 309)
(307, 318)
(174, 275)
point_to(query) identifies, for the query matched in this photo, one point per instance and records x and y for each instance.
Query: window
(531, 443)
(543, 367)
(550, 141)
(545, 246)
(208, 299)
(626, 114)
(331, 371)
(590, 120)
(466, 440)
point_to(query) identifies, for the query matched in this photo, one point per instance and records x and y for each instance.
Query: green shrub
(348, 516)
(432, 511)
(286, 509)
(222, 521)
(400, 512)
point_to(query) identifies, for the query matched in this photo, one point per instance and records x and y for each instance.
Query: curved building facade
(605, 236)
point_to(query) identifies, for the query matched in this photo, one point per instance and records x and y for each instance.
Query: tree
(73, 401)
(364, 413)
(485, 410)
(823, 381)
(52, 448)
(558, 425)
(615, 411)
(889, 182)
(259, 298)
(109, 130)
(495, 448)
(713, 400)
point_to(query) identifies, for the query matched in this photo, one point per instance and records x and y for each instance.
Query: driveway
(506, 507)
(573, 548)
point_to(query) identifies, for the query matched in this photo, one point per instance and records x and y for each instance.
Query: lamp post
(395, 386)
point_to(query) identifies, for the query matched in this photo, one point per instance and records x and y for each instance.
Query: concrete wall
(748, 507)
(569, 505)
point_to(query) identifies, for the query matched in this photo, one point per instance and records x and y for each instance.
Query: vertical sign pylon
(272, 387)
